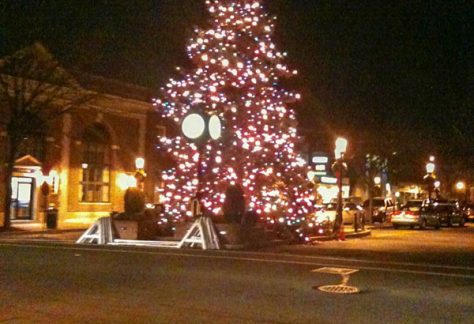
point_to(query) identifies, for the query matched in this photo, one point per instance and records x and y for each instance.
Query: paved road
(44, 282)
(448, 246)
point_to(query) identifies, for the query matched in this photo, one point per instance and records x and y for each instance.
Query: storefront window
(95, 166)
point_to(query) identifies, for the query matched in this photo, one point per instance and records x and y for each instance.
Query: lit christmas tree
(237, 78)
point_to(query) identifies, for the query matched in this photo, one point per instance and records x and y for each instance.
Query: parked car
(316, 224)
(349, 211)
(351, 199)
(329, 211)
(382, 209)
(414, 214)
(449, 213)
(468, 211)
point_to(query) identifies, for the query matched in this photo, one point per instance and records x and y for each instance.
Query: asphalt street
(67, 283)
(448, 246)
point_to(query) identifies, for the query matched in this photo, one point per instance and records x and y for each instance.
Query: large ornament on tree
(236, 77)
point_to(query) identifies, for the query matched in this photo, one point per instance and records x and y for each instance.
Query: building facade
(85, 161)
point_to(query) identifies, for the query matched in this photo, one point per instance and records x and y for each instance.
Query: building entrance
(22, 198)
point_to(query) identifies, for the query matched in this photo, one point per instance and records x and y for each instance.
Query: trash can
(51, 218)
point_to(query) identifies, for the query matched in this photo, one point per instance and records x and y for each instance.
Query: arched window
(95, 180)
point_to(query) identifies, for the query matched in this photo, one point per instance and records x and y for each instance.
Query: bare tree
(34, 92)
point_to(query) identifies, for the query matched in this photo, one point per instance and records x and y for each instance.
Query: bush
(234, 204)
(134, 201)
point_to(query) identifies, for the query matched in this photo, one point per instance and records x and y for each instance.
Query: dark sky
(367, 68)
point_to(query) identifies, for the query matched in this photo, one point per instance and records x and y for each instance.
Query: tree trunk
(338, 221)
(371, 204)
(10, 164)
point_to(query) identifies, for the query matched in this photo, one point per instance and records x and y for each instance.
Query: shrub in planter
(134, 201)
(234, 204)
(246, 234)
(135, 223)
(250, 219)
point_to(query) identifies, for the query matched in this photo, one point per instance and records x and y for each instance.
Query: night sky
(379, 72)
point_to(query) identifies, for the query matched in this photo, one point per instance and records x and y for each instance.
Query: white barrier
(202, 232)
(100, 232)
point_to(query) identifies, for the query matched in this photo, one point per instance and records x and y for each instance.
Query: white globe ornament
(193, 126)
(215, 127)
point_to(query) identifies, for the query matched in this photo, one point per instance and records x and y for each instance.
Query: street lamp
(430, 167)
(377, 181)
(140, 173)
(437, 188)
(377, 190)
(339, 167)
(341, 146)
(462, 188)
(430, 177)
(198, 127)
(460, 185)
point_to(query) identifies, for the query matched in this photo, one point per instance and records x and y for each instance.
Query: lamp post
(140, 173)
(377, 186)
(377, 180)
(198, 127)
(339, 167)
(430, 177)
(437, 188)
(462, 189)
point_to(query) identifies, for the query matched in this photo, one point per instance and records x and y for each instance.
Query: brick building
(86, 160)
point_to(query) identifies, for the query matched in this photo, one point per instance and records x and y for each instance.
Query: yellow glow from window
(125, 181)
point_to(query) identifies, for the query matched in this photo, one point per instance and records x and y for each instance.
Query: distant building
(86, 160)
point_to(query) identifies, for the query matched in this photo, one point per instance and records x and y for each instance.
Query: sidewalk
(25, 234)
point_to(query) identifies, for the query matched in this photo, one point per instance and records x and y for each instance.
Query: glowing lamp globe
(140, 163)
(215, 127)
(341, 147)
(460, 185)
(430, 167)
(193, 126)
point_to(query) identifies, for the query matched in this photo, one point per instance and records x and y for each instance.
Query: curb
(347, 235)
(250, 246)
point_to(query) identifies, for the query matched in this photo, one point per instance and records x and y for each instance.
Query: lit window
(95, 165)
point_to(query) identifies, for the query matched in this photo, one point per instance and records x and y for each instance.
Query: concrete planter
(233, 235)
(238, 236)
(138, 226)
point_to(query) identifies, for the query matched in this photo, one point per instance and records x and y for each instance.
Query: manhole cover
(338, 289)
